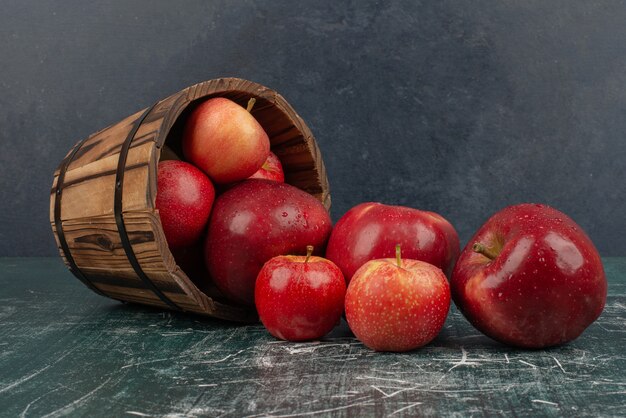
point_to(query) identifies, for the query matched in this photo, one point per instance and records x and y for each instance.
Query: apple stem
(482, 249)
(399, 255)
(309, 251)
(251, 103)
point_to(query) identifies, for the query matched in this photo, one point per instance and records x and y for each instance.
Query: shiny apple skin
(272, 169)
(225, 141)
(370, 231)
(298, 300)
(391, 308)
(184, 200)
(255, 221)
(544, 288)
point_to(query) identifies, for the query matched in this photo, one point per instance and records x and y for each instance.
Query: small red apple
(271, 169)
(530, 277)
(184, 200)
(397, 305)
(369, 231)
(225, 141)
(255, 221)
(300, 298)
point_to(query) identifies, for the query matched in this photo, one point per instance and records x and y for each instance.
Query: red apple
(300, 298)
(530, 277)
(225, 141)
(255, 221)
(271, 169)
(397, 305)
(369, 231)
(184, 200)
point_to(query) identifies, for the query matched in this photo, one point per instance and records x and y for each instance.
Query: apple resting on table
(255, 221)
(184, 199)
(530, 277)
(370, 231)
(225, 141)
(300, 298)
(397, 305)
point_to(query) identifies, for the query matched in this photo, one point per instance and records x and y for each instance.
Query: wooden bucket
(102, 203)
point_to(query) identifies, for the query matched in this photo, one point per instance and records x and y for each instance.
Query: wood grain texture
(158, 363)
(87, 206)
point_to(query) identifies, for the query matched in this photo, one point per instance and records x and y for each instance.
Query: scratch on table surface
(309, 347)
(506, 357)
(414, 404)
(254, 381)
(139, 414)
(463, 361)
(364, 402)
(544, 402)
(174, 333)
(141, 363)
(558, 363)
(34, 401)
(222, 359)
(72, 405)
(394, 393)
(24, 379)
(528, 364)
(201, 343)
(610, 382)
(408, 382)
(196, 412)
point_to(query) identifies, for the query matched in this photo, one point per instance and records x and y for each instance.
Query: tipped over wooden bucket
(102, 203)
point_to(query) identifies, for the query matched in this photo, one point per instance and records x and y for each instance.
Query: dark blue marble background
(461, 107)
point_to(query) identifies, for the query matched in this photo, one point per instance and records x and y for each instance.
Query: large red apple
(397, 305)
(255, 221)
(184, 199)
(225, 141)
(300, 298)
(271, 169)
(530, 277)
(370, 231)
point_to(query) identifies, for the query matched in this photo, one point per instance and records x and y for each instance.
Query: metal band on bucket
(59, 224)
(119, 218)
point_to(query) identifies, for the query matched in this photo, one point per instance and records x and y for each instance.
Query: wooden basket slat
(104, 143)
(87, 190)
(145, 296)
(106, 165)
(129, 279)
